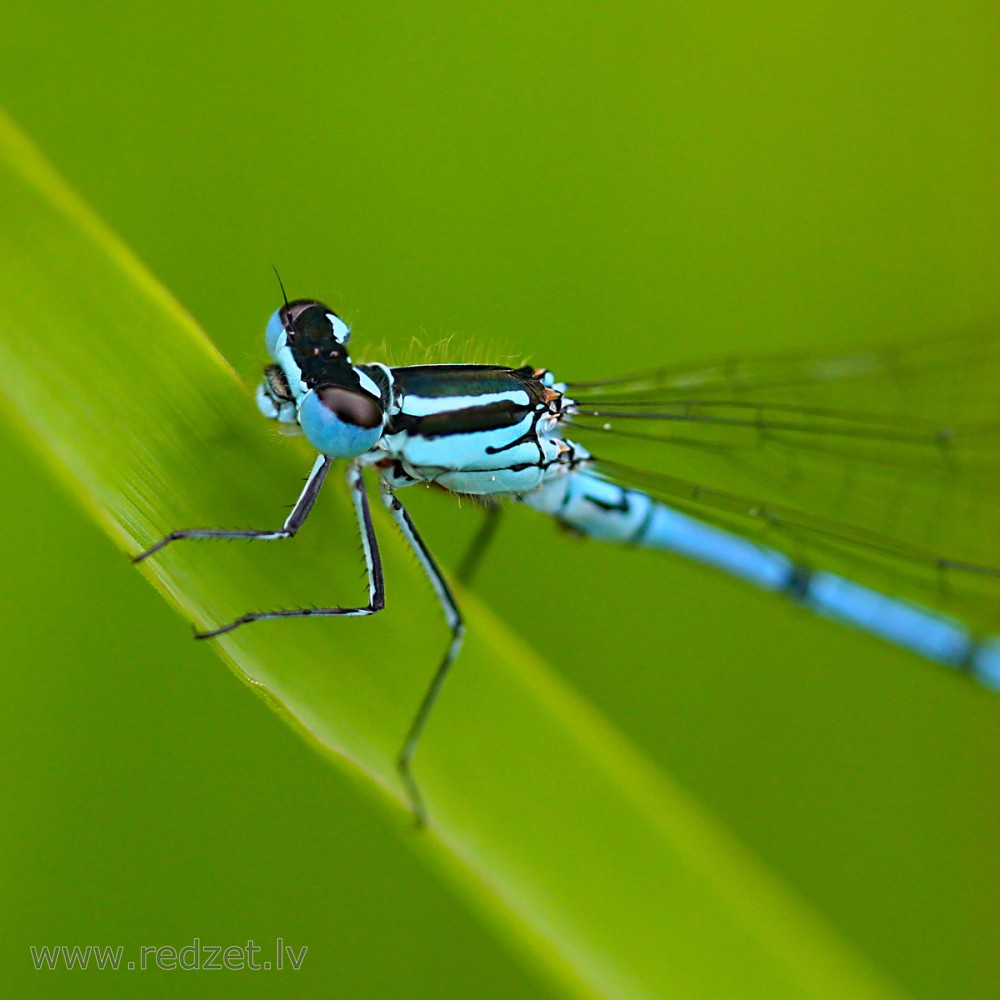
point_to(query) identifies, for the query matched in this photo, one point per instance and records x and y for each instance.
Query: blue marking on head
(341, 331)
(275, 329)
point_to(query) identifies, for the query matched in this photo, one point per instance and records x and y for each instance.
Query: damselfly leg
(376, 589)
(293, 522)
(373, 566)
(473, 558)
(454, 619)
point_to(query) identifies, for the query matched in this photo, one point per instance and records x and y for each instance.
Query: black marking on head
(321, 357)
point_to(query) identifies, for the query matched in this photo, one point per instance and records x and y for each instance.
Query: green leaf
(557, 830)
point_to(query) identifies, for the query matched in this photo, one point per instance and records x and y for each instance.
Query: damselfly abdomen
(849, 546)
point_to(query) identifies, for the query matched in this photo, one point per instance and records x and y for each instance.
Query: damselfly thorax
(474, 429)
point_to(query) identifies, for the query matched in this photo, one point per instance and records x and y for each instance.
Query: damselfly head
(308, 343)
(312, 381)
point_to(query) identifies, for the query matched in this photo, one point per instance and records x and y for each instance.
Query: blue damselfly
(860, 485)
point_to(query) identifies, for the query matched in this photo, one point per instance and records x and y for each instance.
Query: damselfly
(874, 473)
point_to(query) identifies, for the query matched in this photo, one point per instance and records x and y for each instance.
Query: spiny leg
(293, 522)
(454, 619)
(480, 543)
(373, 564)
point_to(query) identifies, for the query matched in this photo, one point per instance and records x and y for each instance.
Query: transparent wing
(881, 463)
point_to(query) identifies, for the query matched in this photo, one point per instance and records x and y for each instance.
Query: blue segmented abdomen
(601, 509)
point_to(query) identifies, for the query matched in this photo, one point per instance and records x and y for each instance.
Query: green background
(593, 188)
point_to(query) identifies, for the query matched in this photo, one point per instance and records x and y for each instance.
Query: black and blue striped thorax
(439, 400)
(477, 429)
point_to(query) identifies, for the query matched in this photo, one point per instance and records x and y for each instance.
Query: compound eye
(352, 407)
(277, 382)
(341, 422)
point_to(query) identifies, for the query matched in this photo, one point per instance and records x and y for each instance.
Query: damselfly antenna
(281, 284)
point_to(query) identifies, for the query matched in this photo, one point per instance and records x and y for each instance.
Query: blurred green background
(592, 187)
